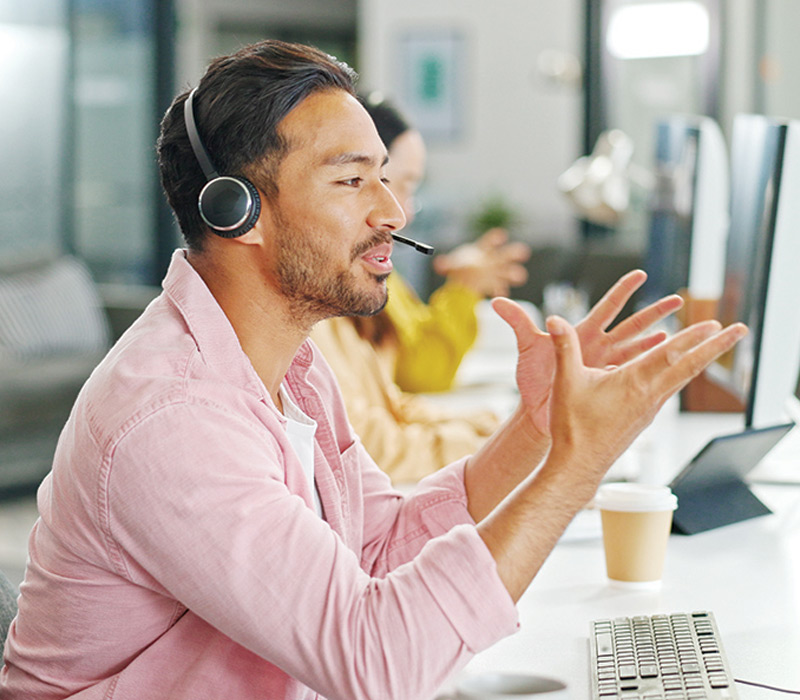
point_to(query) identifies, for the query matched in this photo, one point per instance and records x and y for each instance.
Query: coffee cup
(505, 686)
(636, 522)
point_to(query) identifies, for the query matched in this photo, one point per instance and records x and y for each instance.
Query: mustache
(377, 238)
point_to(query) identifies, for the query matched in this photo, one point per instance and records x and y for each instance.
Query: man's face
(331, 221)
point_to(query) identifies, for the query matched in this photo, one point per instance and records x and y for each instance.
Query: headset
(229, 205)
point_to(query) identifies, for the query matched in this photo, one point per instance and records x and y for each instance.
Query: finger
(609, 306)
(642, 320)
(500, 289)
(683, 341)
(520, 321)
(441, 264)
(513, 275)
(567, 348)
(515, 252)
(625, 352)
(493, 238)
(687, 354)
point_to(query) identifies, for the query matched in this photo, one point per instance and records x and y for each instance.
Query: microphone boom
(416, 245)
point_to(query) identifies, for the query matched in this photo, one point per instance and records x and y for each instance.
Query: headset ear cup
(229, 205)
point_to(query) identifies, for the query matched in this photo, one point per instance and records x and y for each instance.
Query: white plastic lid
(635, 498)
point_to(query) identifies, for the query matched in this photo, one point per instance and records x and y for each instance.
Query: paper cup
(636, 521)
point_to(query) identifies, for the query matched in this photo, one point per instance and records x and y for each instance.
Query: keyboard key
(718, 680)
(604, 643)
(675, 695)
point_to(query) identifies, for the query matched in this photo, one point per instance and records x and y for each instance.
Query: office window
(642, 70)
(33, 59)
(115, 127)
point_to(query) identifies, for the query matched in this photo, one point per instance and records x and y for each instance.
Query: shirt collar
(216, 340)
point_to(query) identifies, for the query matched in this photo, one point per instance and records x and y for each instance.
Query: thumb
(520, 321)
(566, 344)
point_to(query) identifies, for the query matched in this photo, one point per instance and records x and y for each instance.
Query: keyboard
(659, 657)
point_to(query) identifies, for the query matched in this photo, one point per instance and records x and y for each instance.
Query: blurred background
(540, 116)
(507, 93)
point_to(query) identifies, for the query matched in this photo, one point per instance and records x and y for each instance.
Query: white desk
(747, 574)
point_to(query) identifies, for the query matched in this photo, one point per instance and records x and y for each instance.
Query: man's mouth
(379, 257)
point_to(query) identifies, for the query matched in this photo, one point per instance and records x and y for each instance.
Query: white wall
(782, 65)
(738, 58)
(779, 67)
(521, 131)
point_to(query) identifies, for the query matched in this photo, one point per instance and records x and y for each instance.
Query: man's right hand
(595, 413)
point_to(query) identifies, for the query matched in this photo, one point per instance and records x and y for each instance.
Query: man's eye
(352, 182)
(386, 181)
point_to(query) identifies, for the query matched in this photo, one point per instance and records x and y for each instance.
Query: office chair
(8, 608)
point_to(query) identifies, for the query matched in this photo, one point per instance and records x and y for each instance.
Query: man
(183, 550)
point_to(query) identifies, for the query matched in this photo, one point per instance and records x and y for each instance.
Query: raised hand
(596, 413)
(490, 266)
(600, 347)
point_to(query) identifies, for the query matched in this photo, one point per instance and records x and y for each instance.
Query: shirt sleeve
(216, 527)
(432, 338)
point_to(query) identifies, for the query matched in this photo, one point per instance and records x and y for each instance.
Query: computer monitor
(762, 277)
(689, 213)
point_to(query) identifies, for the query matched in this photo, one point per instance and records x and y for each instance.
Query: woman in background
(431, 339)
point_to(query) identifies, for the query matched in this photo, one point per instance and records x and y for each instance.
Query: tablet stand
(712, 491)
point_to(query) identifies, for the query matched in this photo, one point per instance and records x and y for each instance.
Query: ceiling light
(658, 29)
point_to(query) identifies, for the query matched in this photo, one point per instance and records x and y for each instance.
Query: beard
(314, 291)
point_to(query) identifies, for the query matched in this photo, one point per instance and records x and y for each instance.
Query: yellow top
(432, 338)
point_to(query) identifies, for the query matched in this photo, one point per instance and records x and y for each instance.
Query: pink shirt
(178, 554)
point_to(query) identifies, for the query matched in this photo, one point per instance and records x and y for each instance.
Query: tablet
(711, 489)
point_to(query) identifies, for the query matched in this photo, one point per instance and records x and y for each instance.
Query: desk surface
(747, 574)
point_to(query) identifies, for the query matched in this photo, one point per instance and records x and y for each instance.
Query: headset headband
(194, 138)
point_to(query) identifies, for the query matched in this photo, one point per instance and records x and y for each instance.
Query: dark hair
(388, 120)
(238, 106)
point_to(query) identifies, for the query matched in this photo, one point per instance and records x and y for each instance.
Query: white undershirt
(300, 429)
